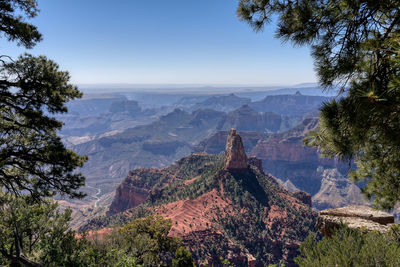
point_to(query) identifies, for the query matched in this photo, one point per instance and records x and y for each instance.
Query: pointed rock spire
(235, 156)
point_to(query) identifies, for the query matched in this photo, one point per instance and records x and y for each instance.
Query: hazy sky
(163, 42)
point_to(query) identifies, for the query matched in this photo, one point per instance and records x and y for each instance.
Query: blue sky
(163, 42)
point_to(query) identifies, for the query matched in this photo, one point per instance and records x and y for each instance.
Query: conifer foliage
(356, 48)
(351, 247)
(35, 165)
(32, 89)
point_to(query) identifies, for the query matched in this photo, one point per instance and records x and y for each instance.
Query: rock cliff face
(285, 156)
(136, 188)
(235, 156)
(337, 191)
(355, 217)
(127, 196)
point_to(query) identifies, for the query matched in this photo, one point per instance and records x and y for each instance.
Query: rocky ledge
(355, 217)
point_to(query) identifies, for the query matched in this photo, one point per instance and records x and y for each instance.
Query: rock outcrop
(235, 156)
(355, 217)
(127, 196)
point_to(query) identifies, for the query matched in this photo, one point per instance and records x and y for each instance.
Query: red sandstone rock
(127, 197)
(137, 188)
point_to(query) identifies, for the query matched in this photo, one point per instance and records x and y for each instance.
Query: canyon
(220, 205)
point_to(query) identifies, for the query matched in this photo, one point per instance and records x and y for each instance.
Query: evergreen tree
(183, 258)
(143, 242)
(351, 247)
(37, 234)
(32, 89)
(356, 48)
(13, 25)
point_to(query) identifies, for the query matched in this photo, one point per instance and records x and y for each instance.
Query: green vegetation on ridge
(244, 224)
(349, 247)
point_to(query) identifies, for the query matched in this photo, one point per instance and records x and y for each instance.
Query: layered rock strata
(337, 191)
(355, 217)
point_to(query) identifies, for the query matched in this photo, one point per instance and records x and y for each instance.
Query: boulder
(355, 217)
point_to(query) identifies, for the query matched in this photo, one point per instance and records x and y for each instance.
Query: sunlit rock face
(355, 217)
(337, 191)
(235, 156)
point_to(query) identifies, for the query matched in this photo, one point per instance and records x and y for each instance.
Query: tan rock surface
(235, 155)
(355, 217)
(362, 212)
(337, 191)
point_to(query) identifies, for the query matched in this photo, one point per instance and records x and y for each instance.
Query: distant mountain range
(119, 135)
(224, 103)
(162, 142)
(94, 116)
(290, 105)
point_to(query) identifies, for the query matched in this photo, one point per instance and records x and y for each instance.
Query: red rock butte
(235, 155)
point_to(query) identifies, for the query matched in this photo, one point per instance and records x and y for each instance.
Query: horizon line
(192, 85)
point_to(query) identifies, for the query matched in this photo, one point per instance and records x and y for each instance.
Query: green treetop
(355, 46)
(14, 27)
(32, 157)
